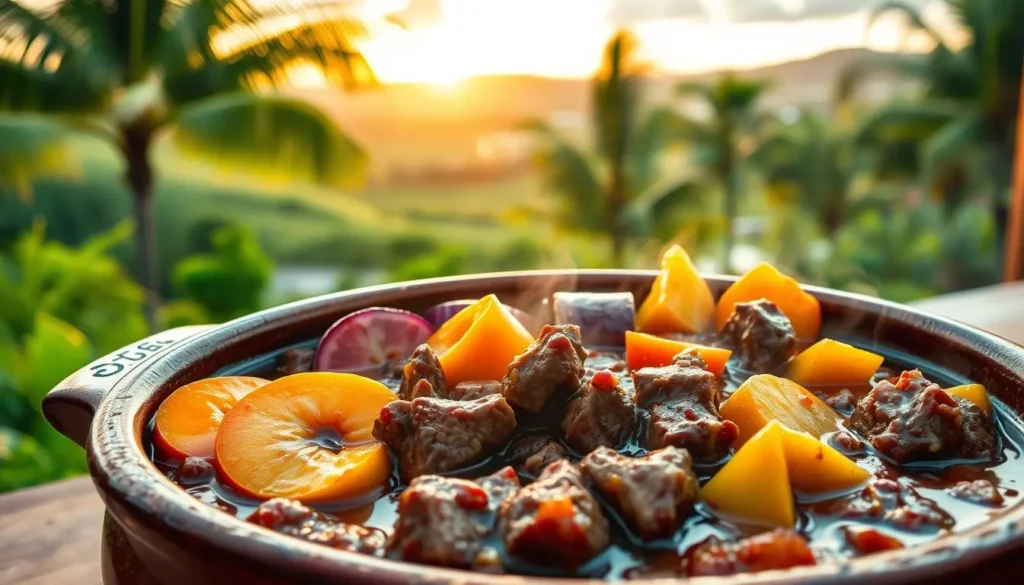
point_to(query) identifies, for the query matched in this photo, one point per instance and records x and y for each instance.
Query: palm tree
(809, 166)
(132, 72)
(964, 124)
(613, 190)
(722, 139)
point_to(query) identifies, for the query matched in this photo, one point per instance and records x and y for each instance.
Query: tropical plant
(722, 138)
(614, 189)
(962, 130)
(192, 70)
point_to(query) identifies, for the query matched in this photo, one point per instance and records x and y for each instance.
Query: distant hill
(409, 121)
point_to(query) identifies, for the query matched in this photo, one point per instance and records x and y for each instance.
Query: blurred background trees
(226, 126)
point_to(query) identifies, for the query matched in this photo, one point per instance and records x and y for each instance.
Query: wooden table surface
(51, 534)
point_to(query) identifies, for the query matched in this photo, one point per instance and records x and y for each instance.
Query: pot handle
(70, 406)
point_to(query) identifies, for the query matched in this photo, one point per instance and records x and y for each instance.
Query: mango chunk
(479, 342)
(764, 281)
(976, 393)
(764, 398)
(680, 301)
(754, 484)
(651, 351)
(830, 362)
(816, 468)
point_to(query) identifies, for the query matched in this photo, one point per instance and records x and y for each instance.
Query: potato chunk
(764, 281)
(976, 393)
(764, 398)
(831, 363)
(816, 468)
(680, 301)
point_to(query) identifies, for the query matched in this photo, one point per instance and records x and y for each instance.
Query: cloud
(633, 12)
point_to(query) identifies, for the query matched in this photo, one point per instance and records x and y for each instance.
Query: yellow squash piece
(680, 301)
(764, 281)
(479, 342)
(830, 363)
(816, 468)
(764, 398)
(976, 393)
(754, 484)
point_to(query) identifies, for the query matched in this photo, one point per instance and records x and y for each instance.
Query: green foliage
(227, 283)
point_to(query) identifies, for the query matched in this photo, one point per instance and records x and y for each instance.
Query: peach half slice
(307, 437)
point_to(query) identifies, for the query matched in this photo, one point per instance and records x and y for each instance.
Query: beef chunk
(761, 336)
(422, 365)
(554, 363)
(654, 493)
(682, 400)
(603, 414)
(445, 521)
(842, 400)
(532, 454)
(979, 491)
(554, 521)
(432, 435)
(292, 518)
(778, 549)
(474, 390)
(914, 419)
(889, 501)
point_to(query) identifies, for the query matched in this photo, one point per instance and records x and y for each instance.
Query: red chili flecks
(604, 379)
(472, 498)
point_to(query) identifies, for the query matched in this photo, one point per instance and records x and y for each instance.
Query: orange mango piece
(276, 442)
(764, 281)
(816, 468)
(754, 485)
(976, 393)
(764, 398)
(479, 342)
(680, 301)
(651, 351)
(829, 362)
(187, 421)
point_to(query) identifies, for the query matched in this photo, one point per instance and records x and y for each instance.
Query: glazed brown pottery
(156, 533)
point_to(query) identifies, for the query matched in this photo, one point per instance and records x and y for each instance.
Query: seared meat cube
(445, 521)
(422, 365)
(979, 491)
(432, 435)
(554, 363)
(554, 521)
(474, 390)
(683, 402)
(654, 493)
(778, 549)
(423, 389)
(603, 414)
(914, 419)
(294, 519)
(532, 454)
(761, 336)
(888, 501)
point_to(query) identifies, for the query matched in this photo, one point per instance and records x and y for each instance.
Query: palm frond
(568, 174)
(663, 206)
(47, 62)
(616, 98)
(33, 146)
(205, 56)
(658, 128)
(853, 75)
(909, 13)
(272, 136)
(905, 120)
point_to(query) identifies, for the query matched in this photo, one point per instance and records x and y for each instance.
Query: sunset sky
(448, 40)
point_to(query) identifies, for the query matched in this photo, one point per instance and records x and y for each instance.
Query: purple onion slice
(604, 318)
(364, 341)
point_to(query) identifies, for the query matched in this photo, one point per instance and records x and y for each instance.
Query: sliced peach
(764, 398)
(479, 342)
(307, 437)
(680, 301)
(187, 421)
(764, 281)
(976, 393)
(651, 351)
(830, 363)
